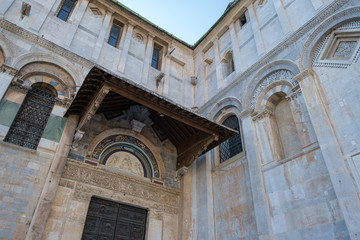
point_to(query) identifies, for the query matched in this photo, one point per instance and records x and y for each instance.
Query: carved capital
(294, 95)
(304, 74)
(264, 114)
(63, 102)
(8, 70)
(18, 86)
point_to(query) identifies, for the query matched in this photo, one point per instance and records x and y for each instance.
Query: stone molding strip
(266, 59)
(313, 147)
(52, 47)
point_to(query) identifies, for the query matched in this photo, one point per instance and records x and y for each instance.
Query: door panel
(108, 220)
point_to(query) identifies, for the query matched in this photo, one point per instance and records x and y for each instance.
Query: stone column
(74, 21)
(217, 62)
(260, 46)
(47, 196)
(282, 15)
(268, 137)
(102, 35)
(261, 204)
(6, 76)
(344, 185)
(125, 50)
(147, 59)
(235, 48)
(4, 7)
(42, 15)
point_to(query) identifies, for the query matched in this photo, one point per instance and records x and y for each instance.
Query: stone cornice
(42, 42)
(266, 59)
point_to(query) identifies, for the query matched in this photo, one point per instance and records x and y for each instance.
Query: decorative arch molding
(321, 32)
(281, 80)
(36, 57)
(124, 140)
(43, 72)
(260, 76)
(225, 107)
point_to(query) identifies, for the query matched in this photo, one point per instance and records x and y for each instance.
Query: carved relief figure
(126, 162)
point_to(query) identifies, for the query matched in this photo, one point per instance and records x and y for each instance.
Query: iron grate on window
(233, 145)
(30, 121)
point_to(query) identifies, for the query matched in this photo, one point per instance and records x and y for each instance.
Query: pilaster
(268, 137)
(235, 48)
(42, 15)
(342, 181)
(47, 196)
(260, 46)
(218, 70)
(147, 61)
(6, 76)
(125, 50)
(261, 204)
(74, 21)
(4, 7)
(283, 17)
(101, 38)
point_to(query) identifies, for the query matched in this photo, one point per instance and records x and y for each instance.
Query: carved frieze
(94, 181)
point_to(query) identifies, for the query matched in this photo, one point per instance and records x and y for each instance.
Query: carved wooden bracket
(180, 173)
(94, 106)
(77, 137)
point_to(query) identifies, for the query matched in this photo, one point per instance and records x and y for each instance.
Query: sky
(185, 19)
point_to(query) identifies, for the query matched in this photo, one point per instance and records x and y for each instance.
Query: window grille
(233, 145)
(114, 36)
(66, 9)
(30, 121)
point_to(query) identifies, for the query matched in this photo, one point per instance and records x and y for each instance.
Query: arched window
(228, 64)
(233, 145)
(30, 121)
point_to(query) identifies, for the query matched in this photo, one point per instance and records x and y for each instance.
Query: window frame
(120, 25)
(239, 135)
(242, 17)
(70, 12)
(159, 48)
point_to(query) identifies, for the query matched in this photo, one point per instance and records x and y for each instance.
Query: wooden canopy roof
(191, 134)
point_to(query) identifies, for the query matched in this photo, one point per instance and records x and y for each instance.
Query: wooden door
(108, 220)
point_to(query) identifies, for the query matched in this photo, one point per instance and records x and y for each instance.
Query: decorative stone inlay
(95, 181)
(116, 143)
(344, 48)
(51, 74)
(280, 75)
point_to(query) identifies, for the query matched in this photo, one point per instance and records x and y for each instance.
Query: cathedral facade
(112, 128)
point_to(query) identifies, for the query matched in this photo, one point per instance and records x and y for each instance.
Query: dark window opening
(66, 9)
(115, 33)
(243, 20)
(155, 62)
(233, 145)
(30, 121)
